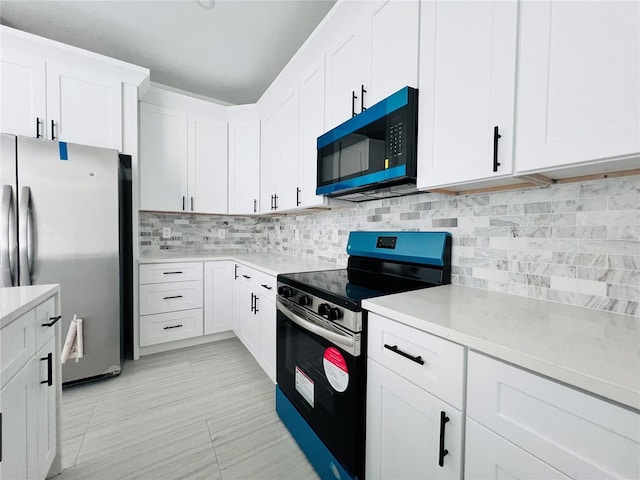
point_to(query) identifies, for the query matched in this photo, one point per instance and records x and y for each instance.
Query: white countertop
(16, 301)
(589, 349)
(269, 263)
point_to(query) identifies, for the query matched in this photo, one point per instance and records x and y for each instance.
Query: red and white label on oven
(335, 368)
(304, 385)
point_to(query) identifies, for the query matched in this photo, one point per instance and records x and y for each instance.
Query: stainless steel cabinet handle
(7, 238)
(27, 234)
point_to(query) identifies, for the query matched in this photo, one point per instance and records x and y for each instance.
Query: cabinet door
(269, 162)
(392, 60)
(244, 163)
(578, 77)
(404, 427)
(84, 108)
(344, 77)
(312, 125)
(267, 312)
(467, 87)
(289, 158)
(218, 297)
(46, 400)
(22, 95)
(20, 424)
(491, 457)
(207, 165)
(163, 158)
(237, 299)
(249, 321)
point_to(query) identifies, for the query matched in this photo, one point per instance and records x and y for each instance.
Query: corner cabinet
(183, 154)
(244, 159)
(30, 394)
(467, 91)
(578, 95)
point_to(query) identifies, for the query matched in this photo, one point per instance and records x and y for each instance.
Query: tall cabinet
(244, 159)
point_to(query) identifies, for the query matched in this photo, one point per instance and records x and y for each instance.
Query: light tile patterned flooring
(205, 412)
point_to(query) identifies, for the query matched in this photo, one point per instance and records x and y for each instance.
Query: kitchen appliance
(321, 340)
(59, 224)
(373, 154)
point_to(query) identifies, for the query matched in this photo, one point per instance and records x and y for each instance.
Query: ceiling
(228, 50)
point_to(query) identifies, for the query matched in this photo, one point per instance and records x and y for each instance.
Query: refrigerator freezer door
(74, 242)
(8, 233)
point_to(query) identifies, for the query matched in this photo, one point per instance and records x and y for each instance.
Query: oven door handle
(336, 338)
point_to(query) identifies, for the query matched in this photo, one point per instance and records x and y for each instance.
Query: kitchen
(566, 236)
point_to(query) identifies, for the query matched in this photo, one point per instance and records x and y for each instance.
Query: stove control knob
(304, 300)
(324, 309)
(286, 292)
(335, 314)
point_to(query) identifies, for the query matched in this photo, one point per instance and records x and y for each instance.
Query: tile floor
(205, 412)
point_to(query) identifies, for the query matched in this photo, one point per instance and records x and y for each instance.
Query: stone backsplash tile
(575, 243)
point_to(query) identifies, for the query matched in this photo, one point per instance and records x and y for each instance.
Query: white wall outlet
(222, 233)
(166, 232)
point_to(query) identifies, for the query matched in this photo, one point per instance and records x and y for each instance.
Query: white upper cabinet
(244, 159)
(269, 161)
(467, 91)
(83, 107)
(578, 94)
(163, 158)
(22, 95)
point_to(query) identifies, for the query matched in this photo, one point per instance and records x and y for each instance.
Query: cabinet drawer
(167, 327)
(170, 297)
(265, 286)
(247, 275)
(45, 313)
(17, 345)
(580, 435)
(441, 374)
(170, 272)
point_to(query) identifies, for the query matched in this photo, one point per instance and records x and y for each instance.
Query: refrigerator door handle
(26, 234)
(7, 238)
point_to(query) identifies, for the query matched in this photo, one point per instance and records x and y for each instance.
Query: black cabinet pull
(38, 135)
(172, 326)
(192, 204)
(235, 271)
(255, 304)
(362, 92)
(173, 296)
(395, 349)
(353, 103)
(246, 276)
(53, 124)
(252, 304)
(275, 202)
(171, 273)
(183, 200)
(266, 286)
(496, 136)
(442, 451)
(298, 202)
(49, 359)
(52, 321)
(255, 206)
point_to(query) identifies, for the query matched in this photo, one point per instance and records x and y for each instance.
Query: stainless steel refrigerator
(59, 224)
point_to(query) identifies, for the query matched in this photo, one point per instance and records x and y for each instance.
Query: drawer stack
(171, 302)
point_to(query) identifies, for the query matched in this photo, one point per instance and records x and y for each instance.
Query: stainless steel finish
(25, 236)
(8, 244)
(348, 341)
(74, 207)
(350, 320)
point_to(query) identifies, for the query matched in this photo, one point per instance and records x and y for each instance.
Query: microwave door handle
(341, 340)
(7, 239)
(26, 236)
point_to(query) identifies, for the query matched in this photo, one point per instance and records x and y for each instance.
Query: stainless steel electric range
(321, 340)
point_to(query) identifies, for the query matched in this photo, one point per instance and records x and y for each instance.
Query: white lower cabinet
(489, 456)
(218, 296)
(577, 434)
(171, 326)
(405, 425)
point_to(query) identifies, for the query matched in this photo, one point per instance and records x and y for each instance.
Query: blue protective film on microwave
(371, 114)
(376, 177)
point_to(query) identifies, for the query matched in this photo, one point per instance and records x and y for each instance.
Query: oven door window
(327, 387)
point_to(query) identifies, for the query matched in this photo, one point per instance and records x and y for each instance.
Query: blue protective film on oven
(426, 248)
(62, 147)
(324, 463)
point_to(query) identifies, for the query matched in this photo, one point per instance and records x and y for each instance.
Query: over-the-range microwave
(373, 154)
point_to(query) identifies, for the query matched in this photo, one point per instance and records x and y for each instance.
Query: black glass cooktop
(348, 287)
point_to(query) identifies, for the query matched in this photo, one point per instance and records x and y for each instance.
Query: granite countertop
(269, 263)
(16, 301)
(589, 349)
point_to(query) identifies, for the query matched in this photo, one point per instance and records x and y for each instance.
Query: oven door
(322, 373)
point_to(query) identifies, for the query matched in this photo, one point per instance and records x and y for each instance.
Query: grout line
(84, 435)
(213, 448)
